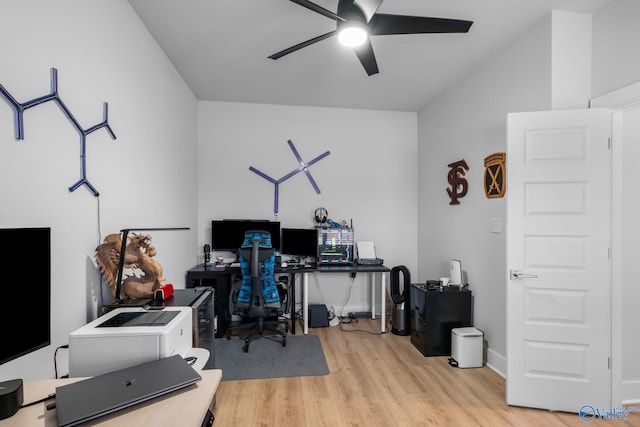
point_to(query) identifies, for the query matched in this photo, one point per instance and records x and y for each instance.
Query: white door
(558, 257)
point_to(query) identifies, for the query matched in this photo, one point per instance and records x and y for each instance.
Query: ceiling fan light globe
(352, 34)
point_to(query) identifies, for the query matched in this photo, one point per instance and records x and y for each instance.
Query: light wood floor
(382, 380)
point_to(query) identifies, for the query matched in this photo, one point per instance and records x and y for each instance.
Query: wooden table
(185, 407)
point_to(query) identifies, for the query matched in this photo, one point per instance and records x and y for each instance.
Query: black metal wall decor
(459, 185)
(303, 167)
(19, 109)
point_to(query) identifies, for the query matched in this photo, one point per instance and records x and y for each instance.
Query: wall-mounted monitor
(228, 234)
(26, 285)
(301, 242)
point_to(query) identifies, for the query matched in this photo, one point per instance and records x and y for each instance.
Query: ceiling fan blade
(367, 57)
(318, 9)
(383, 24)
(301, 45)
(367, 7)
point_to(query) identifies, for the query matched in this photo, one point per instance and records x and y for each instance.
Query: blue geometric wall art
(20, 108)
(304, 167)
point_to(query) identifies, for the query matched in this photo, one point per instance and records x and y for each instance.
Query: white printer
(129, 336)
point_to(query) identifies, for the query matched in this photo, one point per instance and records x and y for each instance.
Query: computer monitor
(228, 234)
(302, 242)
(26, 275)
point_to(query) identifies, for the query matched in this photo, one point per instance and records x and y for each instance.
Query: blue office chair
(257, 298)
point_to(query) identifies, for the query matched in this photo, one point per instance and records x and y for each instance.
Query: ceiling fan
(360, 16)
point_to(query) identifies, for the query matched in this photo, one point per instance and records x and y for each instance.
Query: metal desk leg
(305, 302)
(292, 312)
(383, 294)
(372, 283)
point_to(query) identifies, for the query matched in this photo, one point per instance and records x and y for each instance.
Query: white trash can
(466, 347)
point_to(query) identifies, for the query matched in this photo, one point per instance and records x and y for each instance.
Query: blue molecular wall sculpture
(304, 167)
(18, 112)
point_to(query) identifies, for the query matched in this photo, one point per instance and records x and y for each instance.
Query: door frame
(617, 101)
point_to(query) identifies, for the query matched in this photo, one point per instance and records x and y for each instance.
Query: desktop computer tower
(335, 246)
(201, 301)
(318, 316)
(434, 313)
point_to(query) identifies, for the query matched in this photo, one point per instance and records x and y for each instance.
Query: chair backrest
(258, 295)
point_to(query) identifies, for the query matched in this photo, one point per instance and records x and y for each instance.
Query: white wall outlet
(496, 225)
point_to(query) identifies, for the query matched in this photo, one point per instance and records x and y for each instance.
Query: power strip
(360, 314)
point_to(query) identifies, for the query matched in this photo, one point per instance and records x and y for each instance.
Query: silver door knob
(517, 275)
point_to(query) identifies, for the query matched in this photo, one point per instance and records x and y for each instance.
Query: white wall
(629, 239)
(145, 178)
(468, 122)
(616, 63)
(369, 178)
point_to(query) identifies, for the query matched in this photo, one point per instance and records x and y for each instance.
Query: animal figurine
(146, 273)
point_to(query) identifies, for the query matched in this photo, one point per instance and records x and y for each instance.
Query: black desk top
(184, 297)
(355, 268)
(227, 269)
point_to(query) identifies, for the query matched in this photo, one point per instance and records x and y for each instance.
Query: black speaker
(318, 316)
(10, 397)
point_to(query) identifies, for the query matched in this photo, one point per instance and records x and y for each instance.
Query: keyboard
(371, 261)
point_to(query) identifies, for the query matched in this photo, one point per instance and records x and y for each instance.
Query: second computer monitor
(302, 242)
(228, 234)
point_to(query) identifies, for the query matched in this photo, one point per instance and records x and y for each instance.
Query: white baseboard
(497, 362)
(630, 388)
(630, 392)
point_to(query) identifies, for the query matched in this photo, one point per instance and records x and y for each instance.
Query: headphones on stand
(320, 216)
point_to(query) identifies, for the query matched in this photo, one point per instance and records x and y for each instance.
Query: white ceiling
(220, 47)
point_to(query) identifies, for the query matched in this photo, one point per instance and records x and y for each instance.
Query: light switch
(496, 225)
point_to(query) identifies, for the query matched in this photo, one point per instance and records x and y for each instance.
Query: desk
(185, 407)
(221, 279)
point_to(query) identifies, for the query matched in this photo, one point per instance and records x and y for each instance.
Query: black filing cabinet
(434, 312)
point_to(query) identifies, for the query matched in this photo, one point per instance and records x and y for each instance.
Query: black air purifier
(401, 315)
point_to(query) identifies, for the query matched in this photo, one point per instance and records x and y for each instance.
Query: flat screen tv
(302, 242)
(228, 234)
(26, 277)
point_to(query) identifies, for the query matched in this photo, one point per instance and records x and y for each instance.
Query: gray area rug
(302, 356)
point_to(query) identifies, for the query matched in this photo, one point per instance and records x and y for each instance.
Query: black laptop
(104, 394)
